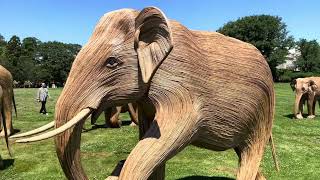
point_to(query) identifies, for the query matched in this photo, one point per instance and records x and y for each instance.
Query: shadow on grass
(291, 116)
(15, 131)
(103, 126)
(126, 122)
(7, 163)
(205, 178)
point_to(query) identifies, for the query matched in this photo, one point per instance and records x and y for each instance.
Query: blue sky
(73, 21)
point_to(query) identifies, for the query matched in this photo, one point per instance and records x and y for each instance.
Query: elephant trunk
(297, 112)
(68, 142)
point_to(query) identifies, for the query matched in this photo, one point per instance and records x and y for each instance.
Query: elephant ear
(313, 85)
(293, 84)
(153, 40)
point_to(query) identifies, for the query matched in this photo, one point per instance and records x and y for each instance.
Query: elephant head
(115, 66)
(304, 88)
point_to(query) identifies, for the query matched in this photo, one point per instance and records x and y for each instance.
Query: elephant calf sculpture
(6, 83)
(306, 90)
(112, 115)
(192, 87)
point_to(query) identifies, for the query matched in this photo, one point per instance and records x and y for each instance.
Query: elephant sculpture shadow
(291, 116)
(117, 170)
(7, 163)
(205, 178)
(15, 131)
(125, 122)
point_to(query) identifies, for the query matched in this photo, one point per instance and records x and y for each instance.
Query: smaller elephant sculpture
(306, 91)
(7, 100)
(111, 119)
(112, 115)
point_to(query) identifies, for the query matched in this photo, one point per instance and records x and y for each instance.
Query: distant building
(290, 60)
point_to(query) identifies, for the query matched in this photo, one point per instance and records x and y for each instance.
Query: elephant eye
(303, 89)
(112, 62)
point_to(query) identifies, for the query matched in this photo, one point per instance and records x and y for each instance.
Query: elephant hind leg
(249, 161)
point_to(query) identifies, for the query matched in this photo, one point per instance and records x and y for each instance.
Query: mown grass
(297, 142)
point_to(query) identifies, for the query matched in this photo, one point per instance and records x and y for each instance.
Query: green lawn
(297, 143)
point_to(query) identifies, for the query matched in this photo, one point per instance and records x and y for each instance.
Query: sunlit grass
(297, 142)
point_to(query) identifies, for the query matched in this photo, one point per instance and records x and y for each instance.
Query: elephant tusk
(35, 131)
(80, 116)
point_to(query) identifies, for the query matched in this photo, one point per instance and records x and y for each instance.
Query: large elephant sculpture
(192, 87)
(306, 89)
(8, 102)
(112, 115)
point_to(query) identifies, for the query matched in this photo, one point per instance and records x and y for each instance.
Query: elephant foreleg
(311, 106)
(301, 103)
(133, 112)
(314, 107)
(7, 110)
(114, 120)
(146, 115)
(249, 160)
(164, 139)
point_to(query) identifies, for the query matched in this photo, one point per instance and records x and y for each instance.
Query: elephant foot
(133, 124)
(299, 116)
(311, 116)
(9, 132)
(260, 176)
(112, 178)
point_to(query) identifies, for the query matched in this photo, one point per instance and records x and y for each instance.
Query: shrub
(288, 75)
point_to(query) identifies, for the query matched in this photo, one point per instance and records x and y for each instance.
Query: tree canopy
(267, 33)
(36, 61)
(309, 59)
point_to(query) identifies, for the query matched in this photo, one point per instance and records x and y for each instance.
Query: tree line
(31, 60)
(270, 35)
(36, 61)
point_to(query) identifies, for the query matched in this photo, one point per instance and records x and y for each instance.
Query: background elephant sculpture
(3, 122)
(191, 87)
(112, 115)
(6, 83)
(306, 90)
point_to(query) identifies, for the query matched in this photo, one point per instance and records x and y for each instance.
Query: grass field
(297, 143)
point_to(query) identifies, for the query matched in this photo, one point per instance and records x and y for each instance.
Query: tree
(36, 61)
(267, 33)
(13, 50)
(3, 45)
(2, 41)
(27, 60)
(309, 59)
(55, 60)
(12, 54)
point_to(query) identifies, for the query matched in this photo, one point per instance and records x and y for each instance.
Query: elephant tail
(5, 130)
(274, 155)
(14, 104)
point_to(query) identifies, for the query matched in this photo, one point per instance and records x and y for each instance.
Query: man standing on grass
(43, 94)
